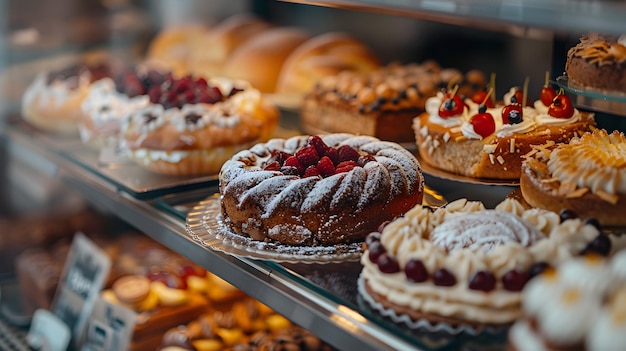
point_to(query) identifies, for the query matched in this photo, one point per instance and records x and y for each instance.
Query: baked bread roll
(324, 55)
(171, 47)
(587, 176)
(260, 59)
(213, 49)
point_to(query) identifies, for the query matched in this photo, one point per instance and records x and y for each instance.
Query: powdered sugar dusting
(322, 193)
(377, 185)
(399, 181)
(292, 196)
(266, 190)
(349, 190)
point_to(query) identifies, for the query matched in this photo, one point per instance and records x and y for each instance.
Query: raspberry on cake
(580, 305)
(464, 266)
(471, 144)
(192, 126)
(318, 190)
(587, 175)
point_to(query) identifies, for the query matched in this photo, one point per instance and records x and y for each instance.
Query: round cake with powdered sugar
(318, 190)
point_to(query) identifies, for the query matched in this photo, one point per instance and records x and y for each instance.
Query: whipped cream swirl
(432, 108)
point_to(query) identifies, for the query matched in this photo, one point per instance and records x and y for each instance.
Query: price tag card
(83, 277)
(110, 327)
(47, 332)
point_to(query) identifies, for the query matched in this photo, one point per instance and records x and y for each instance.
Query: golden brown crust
(260, 59)
(324, 55)
(541, 190)
(449, 150)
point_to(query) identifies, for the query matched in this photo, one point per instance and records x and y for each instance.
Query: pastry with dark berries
(52, 101)
(318, 190)
(381, 103)
(192, 126)
(464, 266)
(469, 143)
(587, 175)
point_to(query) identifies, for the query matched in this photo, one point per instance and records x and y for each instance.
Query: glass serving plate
(205, 225)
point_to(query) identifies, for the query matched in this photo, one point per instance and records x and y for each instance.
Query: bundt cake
(318, 190)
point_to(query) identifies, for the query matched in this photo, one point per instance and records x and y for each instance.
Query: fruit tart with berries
(318, 190)
(462, 267)
(191, 125)
(490, 143)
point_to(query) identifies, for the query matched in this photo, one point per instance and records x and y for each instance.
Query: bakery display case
(317, 289)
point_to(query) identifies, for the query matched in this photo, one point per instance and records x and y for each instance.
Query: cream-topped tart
(581, 305)
(587, 175)
(464, 265)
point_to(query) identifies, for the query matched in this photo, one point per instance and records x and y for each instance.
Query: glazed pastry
(464, 266)
(381, 103)
(586, 175)
(313, 191)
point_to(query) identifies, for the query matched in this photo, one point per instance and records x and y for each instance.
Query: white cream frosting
(544, 119)
(622, 40)
(582, 301)
(596, 161)
(540, 107)
(409, 237)
(432, 108)
(525, 126)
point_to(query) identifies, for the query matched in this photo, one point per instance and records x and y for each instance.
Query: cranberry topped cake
(464, 266)
(318, 190)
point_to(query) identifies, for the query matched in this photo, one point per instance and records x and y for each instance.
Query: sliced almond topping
(530, 153)
(492, 158)
(490, 148)
(566, 188)
(446, 137)
(460, 138)
(577, 193)
(500, 159)
(512, 146)
(610, 198)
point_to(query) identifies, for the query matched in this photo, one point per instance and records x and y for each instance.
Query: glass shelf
(563, 15)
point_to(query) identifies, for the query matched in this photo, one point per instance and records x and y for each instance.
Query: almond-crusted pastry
(587, 175)
(598, 62)
(491, 142)
(52, 101)
(463, 266)
(381, 103)
(314, 191)
(580, 306)
(191, 126)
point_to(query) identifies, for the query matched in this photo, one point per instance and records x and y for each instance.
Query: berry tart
(580, 305)
(192, 126)
(318, 191)
(111, 100)
(381, 103)
(588, 175)
(490, 142)
(598, 62)
(52, 101)
(460, 268)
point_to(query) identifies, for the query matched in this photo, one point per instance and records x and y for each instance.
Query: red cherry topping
(512, 114)
(387, 264)
(415, 271)
(451, 105)
(443, 277)
(375, 249)
(519, 97)
(190, 269)
(515, 280)
(481, 96)
(547, 95)
(371, 237)
(483, 281)
(483, 124)
(561, 107)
